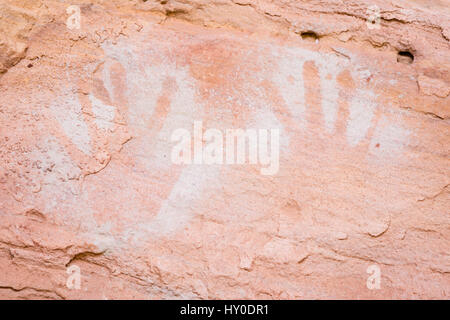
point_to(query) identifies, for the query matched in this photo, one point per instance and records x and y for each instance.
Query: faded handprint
(327, 114)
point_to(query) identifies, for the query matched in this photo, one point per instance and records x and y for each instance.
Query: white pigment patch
(68, 113)
(177, 209)
(329, 66)
(388, 140)
(144, 82)
(266, 119)
(154, 153)
(362, 109)
(54, 161)
(106, 74)
(144, 79)
(289, 80)
(330, 95)
(104, 114)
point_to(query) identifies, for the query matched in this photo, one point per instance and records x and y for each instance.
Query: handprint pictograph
(328, 116)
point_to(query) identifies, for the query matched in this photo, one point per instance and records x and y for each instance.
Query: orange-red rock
(86, 178)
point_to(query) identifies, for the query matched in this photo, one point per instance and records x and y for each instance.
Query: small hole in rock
(405, 57)
(310, 36)
(29, 65)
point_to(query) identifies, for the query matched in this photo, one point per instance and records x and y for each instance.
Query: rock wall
(87, 114)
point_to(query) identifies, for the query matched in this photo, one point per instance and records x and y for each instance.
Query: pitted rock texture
(86, 117)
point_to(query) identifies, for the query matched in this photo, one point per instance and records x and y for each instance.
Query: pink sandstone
(86, 179)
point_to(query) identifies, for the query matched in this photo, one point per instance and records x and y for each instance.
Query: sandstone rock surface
(86, 178)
